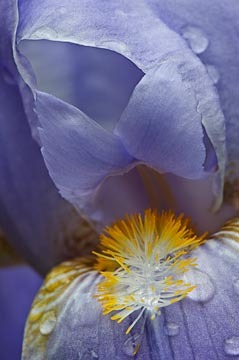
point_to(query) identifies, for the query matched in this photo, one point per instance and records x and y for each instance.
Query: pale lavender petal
(114, 27)
(203, 325)
(161, 126)
(79, 153)
(85, 77)
(211, 31)
(108, 24)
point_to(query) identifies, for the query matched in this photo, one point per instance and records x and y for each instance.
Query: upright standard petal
(84, 77)
(154, 44)
(79, 153)
(203, 325)
(162, 124)
(211, 31)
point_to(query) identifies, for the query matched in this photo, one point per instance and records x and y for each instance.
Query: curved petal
(211, 30)
(19, 283)
(162, 124)
(108, 24)
(204, 325)
(79, 153)
(88, 74)
(42, 226)
(156, 43)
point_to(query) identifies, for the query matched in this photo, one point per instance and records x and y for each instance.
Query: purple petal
(18, 286)
(42, 226)
(162, 124)
(114, 27)
(105, 24)
(78, 152)
(203, 325)
(89, 75)
(211, 30)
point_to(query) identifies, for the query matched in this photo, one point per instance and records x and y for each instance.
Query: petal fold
(211, 31)
(162, 124)
(78, 152)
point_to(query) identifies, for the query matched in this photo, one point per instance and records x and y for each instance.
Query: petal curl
(108, 24)
(162, 124)
(211, 30)
(115, 27)
(79, 153)
(88, 74)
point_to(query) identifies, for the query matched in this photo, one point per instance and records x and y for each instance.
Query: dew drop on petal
(236, 286)
(196, 39)
(205, 289)
(213, 73)
(171, 329)
(48, 323)
(131, 344)
(231, 346)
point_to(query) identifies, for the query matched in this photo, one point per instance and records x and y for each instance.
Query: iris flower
(123, 173)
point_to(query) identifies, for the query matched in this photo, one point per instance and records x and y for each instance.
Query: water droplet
(131, 345)
(236, 286)
(48, 323)
(196, 39)
(213, 73)
(7, 76)
(231, 346)
(171, 329)
(205, 289)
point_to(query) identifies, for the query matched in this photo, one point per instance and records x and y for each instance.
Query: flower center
(142, 260)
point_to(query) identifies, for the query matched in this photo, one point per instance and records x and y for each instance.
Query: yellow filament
(141, 259)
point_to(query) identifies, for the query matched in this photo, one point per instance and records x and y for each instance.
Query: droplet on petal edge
(196, 38)
(131, 345)
(231, 346)
(213, 73)
(46, 306)
(48, 323)
(171, 329)
(204, 290)
(142, 261)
